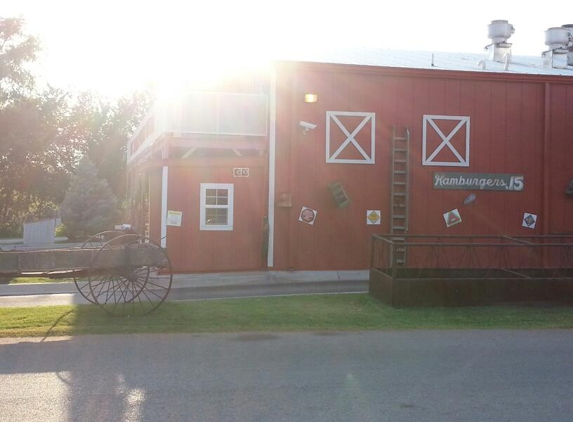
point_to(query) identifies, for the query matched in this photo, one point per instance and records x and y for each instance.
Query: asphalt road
(372, 376)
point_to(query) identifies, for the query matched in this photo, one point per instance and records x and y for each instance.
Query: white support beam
(164, 187)
(272, 169)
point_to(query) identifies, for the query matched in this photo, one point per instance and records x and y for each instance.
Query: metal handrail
(526, 256)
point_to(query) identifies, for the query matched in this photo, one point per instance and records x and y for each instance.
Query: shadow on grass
(6, 280)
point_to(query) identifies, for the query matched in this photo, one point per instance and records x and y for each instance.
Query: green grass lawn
(349, 312)
(34, 280)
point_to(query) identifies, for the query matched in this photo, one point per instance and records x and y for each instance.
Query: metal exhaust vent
(558, 40)
(499, 31)
(569, 27)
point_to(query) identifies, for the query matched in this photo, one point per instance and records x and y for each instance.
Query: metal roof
(429, 60)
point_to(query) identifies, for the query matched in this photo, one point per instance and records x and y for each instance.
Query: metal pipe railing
(538, 256)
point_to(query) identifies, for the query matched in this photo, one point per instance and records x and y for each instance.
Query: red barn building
(296, 169)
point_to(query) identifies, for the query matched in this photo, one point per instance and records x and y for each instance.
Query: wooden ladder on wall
(399, 192)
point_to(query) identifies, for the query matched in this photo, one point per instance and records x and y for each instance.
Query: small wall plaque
(373, 217)
(452, 218)
(307, 215)
(241, 172)
(529, 220)
(174, 218)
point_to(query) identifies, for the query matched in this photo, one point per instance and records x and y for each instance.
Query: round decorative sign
(307, 215)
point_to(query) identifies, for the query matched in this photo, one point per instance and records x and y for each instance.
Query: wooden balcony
(202, 117)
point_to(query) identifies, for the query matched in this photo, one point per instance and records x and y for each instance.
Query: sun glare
(171, 45)
(202, 70)
(115, 47)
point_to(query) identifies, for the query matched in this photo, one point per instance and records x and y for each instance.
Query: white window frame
(204, 206)
(429, 159)
(367, 119)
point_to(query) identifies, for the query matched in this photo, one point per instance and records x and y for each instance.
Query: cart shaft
(72, 260)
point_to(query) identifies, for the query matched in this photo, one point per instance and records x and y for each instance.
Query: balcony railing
(202, 113)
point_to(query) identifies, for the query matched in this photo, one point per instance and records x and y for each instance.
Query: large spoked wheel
(94, 242)
(128, 290)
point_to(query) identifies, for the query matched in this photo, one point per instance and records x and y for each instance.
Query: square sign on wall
(452, 218)
(174, 218)
(529, 220)
(373, 217)
(307, 215)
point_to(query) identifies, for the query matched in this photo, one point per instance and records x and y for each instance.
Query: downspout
(546, 163)
(272, 163)
(164, 188)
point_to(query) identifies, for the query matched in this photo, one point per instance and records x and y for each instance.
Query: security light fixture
(310, 98)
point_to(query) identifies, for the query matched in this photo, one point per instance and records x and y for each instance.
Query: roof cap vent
(559, 40)
(499, 31)
(569, 27)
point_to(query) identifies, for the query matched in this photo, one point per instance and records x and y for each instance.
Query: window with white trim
(216, 206)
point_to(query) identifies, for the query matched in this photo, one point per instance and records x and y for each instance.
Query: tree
(108, 127)
(16, 50)
(33, 168)
(89, 206)
(43, 133)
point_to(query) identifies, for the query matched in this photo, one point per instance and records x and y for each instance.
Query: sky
(116, 47)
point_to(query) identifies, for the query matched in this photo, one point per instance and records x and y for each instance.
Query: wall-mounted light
(310, 98)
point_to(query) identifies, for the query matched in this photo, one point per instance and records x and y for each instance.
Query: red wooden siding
(560, 151)
(520, 124)
(192, 249)
(155, 176)
(498, 144)
(507, 136)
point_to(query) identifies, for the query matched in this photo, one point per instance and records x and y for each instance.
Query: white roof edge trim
(429, 60)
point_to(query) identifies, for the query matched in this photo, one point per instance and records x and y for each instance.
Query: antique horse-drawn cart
(125, 274)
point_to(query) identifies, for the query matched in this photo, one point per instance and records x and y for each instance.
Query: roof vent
(558, 39)
(499, 31)
(569, 27)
